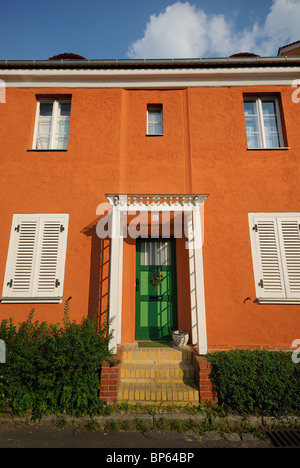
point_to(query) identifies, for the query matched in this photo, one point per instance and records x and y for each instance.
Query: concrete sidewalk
(125, 429)
(134, 429)
(71, 437)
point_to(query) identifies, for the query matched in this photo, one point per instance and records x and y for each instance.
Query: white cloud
(182, 30)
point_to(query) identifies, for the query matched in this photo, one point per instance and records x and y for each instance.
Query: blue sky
(118, 29)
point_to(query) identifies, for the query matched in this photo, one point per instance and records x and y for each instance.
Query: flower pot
(180, 337)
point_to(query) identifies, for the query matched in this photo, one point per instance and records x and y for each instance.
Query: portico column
(115, 277)
(191, 253)
(195, 243)
(199, 280)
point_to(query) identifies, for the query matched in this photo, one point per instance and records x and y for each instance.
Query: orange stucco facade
(203, 149)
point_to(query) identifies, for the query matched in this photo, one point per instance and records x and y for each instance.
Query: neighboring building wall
(203, 150)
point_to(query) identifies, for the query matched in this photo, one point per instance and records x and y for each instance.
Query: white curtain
(62, 127)
(53, 127)
(156, 253)
(44, 126)
(154, 122)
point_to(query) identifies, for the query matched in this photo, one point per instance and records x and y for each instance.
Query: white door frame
(192, 207)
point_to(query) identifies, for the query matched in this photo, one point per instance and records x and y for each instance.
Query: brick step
(167, 354)
(157, 372)
(165, 393)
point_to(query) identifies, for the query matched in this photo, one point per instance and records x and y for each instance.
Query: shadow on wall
(99, 274)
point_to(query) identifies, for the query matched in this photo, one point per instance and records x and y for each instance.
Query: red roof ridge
(67, 56)
(244, 54)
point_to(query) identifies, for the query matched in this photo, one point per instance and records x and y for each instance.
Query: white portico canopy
(192, 207)
(155, 202)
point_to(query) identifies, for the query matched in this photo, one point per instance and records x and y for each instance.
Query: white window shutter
(48, 279)
(288, 229)
(36, 257)
(21, 257)
(268, 272)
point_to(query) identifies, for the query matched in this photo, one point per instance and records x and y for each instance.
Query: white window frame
(155, 108)
(274, 266)
(261, 128)
(39, 261)
(55, 113)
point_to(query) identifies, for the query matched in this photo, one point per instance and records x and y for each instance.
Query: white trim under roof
(150, 78)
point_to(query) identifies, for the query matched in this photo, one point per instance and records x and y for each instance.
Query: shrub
(52, 368)
(265, 382)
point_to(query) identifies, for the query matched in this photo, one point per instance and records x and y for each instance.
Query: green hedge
(264, 382)
(53, 368)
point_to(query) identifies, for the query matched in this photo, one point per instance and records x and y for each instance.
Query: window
(36, 258)
(154, 119)
(155, 253)
(52, 125)
(275, 243)
(263, 125)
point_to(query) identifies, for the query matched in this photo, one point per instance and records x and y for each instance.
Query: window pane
(250, 108)
(62, 126)
(163, 253)
(62, 142)
(154, 120)
(272, 140)
(154, 129)
(43, 142)
(268, 107)
(252, 127)
(270, 124)
(156, 253)
(44, 126)
(46, 109)
(65, 109)
(154, 116)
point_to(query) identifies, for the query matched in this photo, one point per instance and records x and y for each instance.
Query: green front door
(156, 311)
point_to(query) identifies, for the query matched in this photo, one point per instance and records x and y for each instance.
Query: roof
(288, 47)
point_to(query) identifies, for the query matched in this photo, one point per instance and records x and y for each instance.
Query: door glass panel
(156, 253)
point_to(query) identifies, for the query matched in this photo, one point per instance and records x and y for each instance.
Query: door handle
(137, 284)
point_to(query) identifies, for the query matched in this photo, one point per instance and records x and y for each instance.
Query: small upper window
(154, 119)
(52, 125)
(263, 125)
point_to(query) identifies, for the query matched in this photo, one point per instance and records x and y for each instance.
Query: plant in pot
(180, 337)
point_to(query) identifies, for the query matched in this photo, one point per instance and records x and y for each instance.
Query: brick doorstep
(157, 375)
